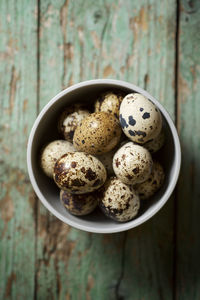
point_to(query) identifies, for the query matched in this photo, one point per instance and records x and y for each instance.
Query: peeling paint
(13, 87)
(108, 70)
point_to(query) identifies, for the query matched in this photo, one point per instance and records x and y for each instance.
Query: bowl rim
(123, 226)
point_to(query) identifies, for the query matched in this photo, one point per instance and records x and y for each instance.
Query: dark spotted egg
(132, 163)
(119, 201)
(79, 205)
(140, 119)
(78, 173)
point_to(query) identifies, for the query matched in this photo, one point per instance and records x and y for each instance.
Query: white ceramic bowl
(45, 130)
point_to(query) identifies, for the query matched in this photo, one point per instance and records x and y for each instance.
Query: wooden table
(47, 45)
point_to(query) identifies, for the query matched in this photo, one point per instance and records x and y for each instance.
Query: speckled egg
(79, 205)
(79, 173)
(119, 201)
(109, 102)
(149, 187)
(51, 152)
(132, 163)
(140, 119)
(70, 119)
(67, 111)
(98, 133)
(157, 143)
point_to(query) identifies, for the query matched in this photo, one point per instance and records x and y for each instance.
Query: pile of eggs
(105, 157)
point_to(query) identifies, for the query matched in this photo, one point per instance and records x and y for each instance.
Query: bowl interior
(46, 189)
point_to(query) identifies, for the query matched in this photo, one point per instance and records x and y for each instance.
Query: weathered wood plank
(148, 256)
(188, 194)
(128, 40)
(18, 97)
(68, 259)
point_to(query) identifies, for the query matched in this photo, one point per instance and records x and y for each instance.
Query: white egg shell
(132, 163)
(157, 143)
(79, 173)
(119, 201)
(149, 187)
(140, 119)
(79, 205)
(52, 152)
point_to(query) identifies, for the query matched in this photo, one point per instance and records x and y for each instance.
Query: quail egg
(119, 201)
(79, 205)
(50, 154)
(98, 133)
(69, 120)
(132, 163)
(140, 119)
(79, 173)
(157, 143)
(109, 102)
(148, 188)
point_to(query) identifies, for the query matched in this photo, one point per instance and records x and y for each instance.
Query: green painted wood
(188, 243)
(18, 103)
(148, 256)
(129, 40)
(65, 255)
(134, 41)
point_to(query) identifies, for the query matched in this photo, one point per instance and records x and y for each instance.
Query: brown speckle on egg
(118, 200)
(79, 205)
(132, 163)
(78, 173)
(100, 131)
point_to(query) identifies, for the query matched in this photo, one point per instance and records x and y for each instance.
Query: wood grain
(86, 40)
(68, 259)
(41, 54)
(188, 194)
(18, 104)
